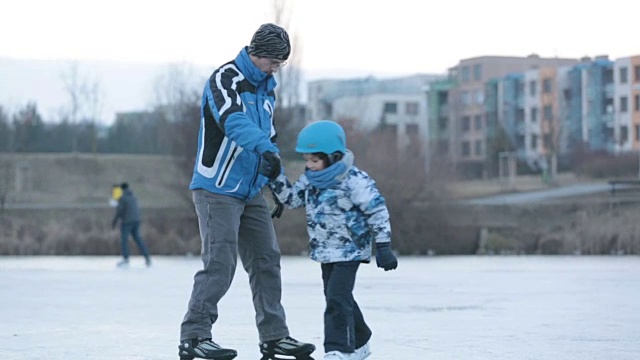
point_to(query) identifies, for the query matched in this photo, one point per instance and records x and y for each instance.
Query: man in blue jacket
(237, 156)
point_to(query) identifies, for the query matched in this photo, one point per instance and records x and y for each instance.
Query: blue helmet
(324, 136)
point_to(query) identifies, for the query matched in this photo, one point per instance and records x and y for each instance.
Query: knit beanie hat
(270, 41)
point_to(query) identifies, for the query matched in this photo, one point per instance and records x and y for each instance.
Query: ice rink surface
(444, 308)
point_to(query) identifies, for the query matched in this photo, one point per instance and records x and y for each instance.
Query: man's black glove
(270, 165)
(113, 224)
(384, 256)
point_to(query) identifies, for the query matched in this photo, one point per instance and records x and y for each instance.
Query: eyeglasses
(277, 64)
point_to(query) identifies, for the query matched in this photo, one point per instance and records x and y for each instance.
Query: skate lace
(208, 342)
(290, 339)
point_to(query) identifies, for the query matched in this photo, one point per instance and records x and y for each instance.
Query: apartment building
(542, 106)
(399, 103)
(592, 105)
(439, 130)
(626, 109)
(590, 92)
(467, 110)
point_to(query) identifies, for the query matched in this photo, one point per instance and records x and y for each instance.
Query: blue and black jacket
(236, 127)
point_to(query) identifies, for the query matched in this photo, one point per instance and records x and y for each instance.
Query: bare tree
(177, 102)
(289, 77)
(289, 113)
(85, 102)
(7, 164)
(176, 89)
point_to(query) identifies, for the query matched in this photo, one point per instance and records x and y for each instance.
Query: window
(624, 104)
(328, 109)
(411, 108)
(478, 122)
(478, 147)
(443, 123)
(546, 141)
(548, 112)
(412, 128)
(546, 85)
(624, 75)
(637, 132)
(624, 134)
(479, 97)
(534, 142)
(464, 74)
(466, 149)
(443, 147)
(390, 108)
(636, 71)
(466, 123)
(636, 103)
(534, 114)
(465, 97)
(532, 87)
(477, 72)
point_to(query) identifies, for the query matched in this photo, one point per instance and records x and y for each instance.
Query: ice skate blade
(285, 357)
(224, 357)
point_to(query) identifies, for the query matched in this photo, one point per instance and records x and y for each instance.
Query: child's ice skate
(204, 349)
(286, 348)
(362, 352)
(337, 355)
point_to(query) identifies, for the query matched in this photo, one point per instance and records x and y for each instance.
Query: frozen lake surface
(441, 308)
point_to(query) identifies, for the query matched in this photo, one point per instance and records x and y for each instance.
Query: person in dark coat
(129, 215)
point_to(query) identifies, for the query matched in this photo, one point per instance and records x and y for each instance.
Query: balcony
(443, 109)
(609, 90)
(608, 120)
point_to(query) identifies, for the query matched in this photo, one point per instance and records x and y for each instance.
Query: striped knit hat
(270, 41)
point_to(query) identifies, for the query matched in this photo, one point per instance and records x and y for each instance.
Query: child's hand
(276, 212)
(384, 256)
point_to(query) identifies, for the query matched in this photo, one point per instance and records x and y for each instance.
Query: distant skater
(129, 215)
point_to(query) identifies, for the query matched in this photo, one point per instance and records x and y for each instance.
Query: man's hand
(384, 256)
(270, 165)
(113, 224)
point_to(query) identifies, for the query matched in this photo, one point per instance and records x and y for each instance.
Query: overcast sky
(331, 38)
(400, 36)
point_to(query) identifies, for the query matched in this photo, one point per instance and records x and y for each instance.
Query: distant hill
(54, 180)
(63, 180)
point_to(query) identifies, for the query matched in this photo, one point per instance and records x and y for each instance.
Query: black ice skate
(204, 349)
(286, 348)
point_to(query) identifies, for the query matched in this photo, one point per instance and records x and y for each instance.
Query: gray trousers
(230, 227)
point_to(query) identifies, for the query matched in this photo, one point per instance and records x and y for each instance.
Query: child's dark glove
(270, 165)
(384, 256)
(276, 212)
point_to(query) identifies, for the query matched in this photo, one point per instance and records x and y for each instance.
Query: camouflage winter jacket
(343, 220)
